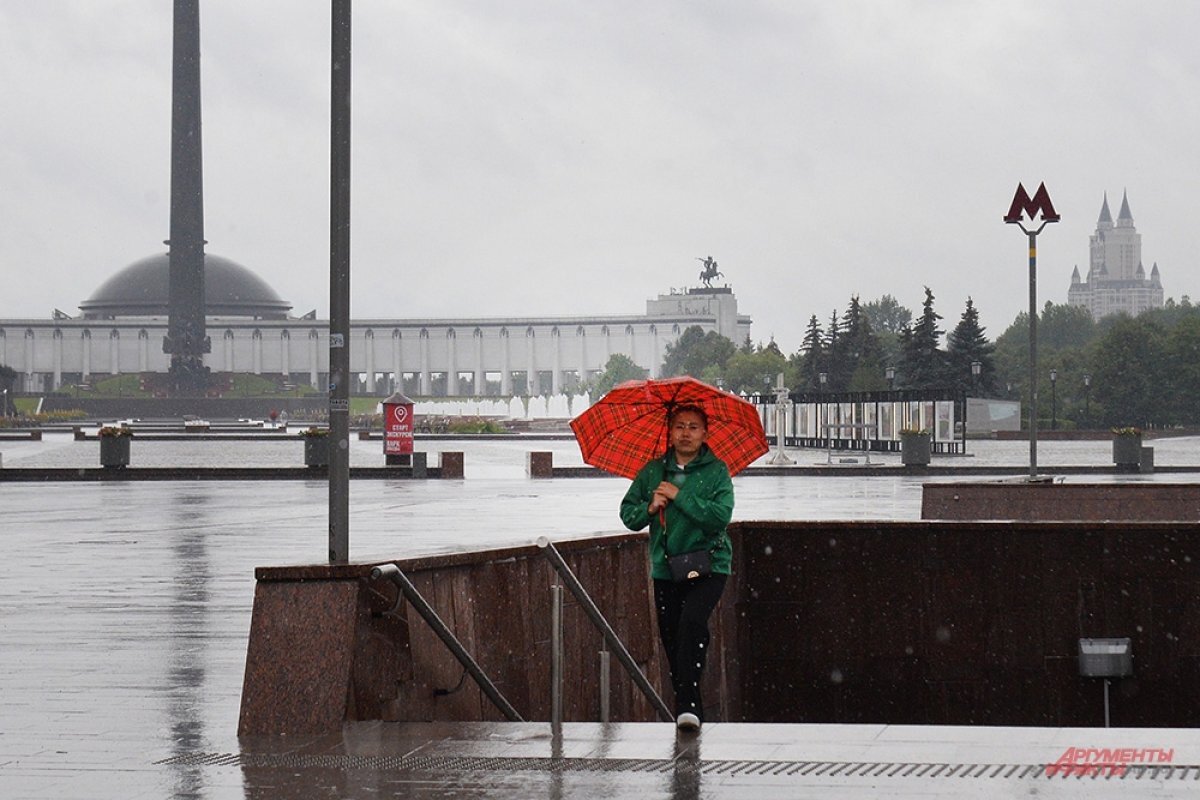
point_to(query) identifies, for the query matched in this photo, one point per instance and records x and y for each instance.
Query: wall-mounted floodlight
(1107, 659)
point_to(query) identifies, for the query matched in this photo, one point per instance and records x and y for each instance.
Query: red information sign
(397, 426)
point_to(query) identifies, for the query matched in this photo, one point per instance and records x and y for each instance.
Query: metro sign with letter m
(1040, 202)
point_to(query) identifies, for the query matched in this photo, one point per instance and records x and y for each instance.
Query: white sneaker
(688, 722)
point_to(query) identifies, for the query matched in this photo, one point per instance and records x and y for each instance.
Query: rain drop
(836, 676)
(767, 550)
(942, 633)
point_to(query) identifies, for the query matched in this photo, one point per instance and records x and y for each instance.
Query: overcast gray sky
(538, 158)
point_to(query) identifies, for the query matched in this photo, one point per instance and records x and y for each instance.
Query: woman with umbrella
(686, 497)
(680, 440)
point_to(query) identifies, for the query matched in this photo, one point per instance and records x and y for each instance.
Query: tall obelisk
(186, 341)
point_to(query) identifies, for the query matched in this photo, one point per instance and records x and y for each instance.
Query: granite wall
(1048, 500)
(929, 622)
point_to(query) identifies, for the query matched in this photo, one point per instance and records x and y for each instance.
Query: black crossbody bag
(685, 567)
(688, 567)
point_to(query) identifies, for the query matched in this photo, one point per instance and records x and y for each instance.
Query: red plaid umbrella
(628, 426)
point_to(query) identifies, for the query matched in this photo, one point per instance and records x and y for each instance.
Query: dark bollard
(451, 464)
(539, 464)
(420, 467)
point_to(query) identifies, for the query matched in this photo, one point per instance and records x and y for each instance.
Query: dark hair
(675, 412)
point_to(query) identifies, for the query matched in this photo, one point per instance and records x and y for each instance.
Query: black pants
(683, 612)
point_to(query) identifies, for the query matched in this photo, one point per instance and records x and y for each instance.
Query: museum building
(121, 328)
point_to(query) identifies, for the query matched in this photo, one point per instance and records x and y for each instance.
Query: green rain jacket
(696, 518)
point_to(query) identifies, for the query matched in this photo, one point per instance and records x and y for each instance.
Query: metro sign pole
(1031, 207)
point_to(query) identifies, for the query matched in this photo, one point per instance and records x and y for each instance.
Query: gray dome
(141, 290)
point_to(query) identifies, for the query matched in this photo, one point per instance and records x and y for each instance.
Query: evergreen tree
(924, 365)
(854, 361)
(966, 344)
(813, 355)
(833, 331)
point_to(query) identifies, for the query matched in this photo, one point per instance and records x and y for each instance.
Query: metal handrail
(610, 636)
(394, 574)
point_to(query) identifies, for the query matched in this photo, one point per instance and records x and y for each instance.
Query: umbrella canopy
(628, 426)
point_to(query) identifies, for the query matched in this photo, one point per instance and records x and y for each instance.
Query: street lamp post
(890, 374)
(823, 377)
(1030, 206)
(1053, 400)
(976, 368)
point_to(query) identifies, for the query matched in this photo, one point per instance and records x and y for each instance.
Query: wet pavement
(125, 611)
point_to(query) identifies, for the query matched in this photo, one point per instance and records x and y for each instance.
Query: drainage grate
(823, 769)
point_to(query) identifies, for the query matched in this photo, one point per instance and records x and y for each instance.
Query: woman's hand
(663, 493)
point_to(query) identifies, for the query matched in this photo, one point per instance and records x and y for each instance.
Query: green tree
(1183, 356)
(617, 370)
(1066, 337)
(1061, 327)
(696, 353)
(886, 315)
(8, 381)
(754, 373)
(1128, 372)
(967, 343)
(923, 362)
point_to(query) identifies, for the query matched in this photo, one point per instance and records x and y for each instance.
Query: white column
(314, 341)
(57, 355)
(256, 352)
(369, 344)
(143, 351)
(227, 344)
(397, 361)
(426, 382)
(505, 368)
(583, 362)
(556, 377)
(530, 364)
(285, 354)
(452, 360)
(29, 338)
(629, 343)
(655, 360)
(479, 377)
(114, 353)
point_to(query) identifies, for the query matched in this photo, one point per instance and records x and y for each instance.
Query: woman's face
(687, 433)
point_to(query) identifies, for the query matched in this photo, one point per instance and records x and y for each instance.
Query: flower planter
(114, 452)
(915, 449)
(1127, 451)
(316, 451)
